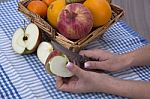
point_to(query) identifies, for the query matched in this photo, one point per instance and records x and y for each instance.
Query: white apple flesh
(17, 43)
(50, 56)
(24, 42)
(43, 51)
(58, 66)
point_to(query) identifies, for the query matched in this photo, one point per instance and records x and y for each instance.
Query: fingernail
(86, 65)
(69, 65)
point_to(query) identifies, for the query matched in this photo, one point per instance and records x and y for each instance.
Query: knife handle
(84, 59)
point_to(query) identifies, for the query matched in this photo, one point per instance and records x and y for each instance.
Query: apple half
(56, 64)
(26, 41)
(43, 51)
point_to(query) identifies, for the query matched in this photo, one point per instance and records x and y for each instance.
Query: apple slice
(58, 66)
(53, 54)
(50, 56)
(25, 42)
(43, 51)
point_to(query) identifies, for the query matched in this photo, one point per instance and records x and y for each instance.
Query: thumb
(75, 69)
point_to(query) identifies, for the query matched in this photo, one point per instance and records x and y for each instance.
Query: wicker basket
(51, 33)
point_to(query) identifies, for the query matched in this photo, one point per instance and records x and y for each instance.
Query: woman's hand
(84, 81)
(107, 61)
(88, 81)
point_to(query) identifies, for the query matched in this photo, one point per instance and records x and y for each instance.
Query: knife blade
(75, 57)
(72, 56)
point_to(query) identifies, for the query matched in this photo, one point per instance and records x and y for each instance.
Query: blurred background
(137, 15)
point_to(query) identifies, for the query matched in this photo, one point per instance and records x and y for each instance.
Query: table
(24, 76)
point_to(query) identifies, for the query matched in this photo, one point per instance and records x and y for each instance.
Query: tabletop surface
(24, 76)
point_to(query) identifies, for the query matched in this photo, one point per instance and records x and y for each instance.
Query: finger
(68, 87)
(60, 85)
(64, 87)
(95, 53)
(89, 53)
(97, 65)
(75, 70)
(59, 82)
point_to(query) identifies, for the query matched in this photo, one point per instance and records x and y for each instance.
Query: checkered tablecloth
(24, 76)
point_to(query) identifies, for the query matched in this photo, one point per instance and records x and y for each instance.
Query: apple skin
(53, 54)
(75, 21)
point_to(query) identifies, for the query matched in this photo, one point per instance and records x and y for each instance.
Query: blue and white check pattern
(24, 76)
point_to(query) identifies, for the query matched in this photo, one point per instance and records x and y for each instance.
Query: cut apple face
(43, 51)
(50, 56)
(53, 54)
(56, 64)
(25, 42)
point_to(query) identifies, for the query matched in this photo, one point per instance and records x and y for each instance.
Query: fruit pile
(74, 19)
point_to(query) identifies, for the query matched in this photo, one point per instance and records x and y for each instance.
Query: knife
(74, 56)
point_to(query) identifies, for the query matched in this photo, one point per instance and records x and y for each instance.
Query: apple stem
(70, 15)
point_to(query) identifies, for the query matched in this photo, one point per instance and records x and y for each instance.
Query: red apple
(75, 21)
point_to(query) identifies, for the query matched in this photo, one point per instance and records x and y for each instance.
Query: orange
(38, 7)
(48, 2)
(100, 10)
(53, 11)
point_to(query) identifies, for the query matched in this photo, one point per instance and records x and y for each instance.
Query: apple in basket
(56, 64)
(26, 41)
(75, 21)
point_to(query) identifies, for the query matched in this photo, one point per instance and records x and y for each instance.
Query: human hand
(87, 81)
(83, 81)
(107, 61)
